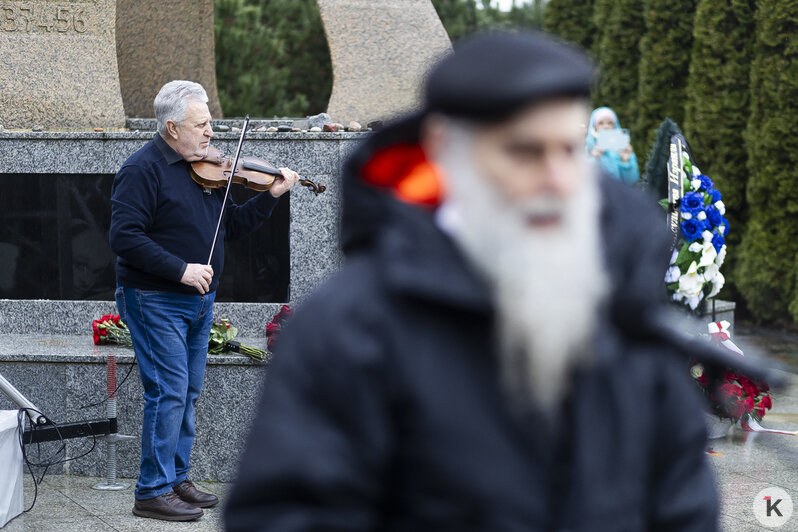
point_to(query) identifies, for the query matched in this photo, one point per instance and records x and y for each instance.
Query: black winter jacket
(383, 409)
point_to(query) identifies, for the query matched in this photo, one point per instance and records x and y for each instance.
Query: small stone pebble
(261, 128)
(283, 129)
(295, 130)
(314, 129)
(318, 120)
(1, 127)
(271, 129)
(330, 127)
(221, 128)
(354, 126)
(36, 128)
(236, 130)
(377, 124)
(98, 129)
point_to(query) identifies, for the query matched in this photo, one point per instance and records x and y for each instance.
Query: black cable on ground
(52, 460)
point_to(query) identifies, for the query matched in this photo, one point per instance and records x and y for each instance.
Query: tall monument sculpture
(159, 41)
(58, 64)
(380, 52)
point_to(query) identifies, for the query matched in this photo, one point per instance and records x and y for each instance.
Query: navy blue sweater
(161, 220)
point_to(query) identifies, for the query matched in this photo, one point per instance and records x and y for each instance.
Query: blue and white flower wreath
(694, 271)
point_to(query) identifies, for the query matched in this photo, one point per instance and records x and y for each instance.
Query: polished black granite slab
(54, 243)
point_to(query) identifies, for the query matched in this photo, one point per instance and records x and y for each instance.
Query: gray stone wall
(316, 156)
(46, 347)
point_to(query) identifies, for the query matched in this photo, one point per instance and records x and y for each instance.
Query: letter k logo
(777, 508)
(772, 506)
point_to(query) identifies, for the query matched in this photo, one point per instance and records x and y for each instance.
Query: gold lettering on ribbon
(674, 186)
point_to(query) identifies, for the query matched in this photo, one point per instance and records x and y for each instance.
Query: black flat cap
(490, 76)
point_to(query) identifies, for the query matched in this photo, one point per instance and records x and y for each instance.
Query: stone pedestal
(717, 310)
(380, 52)
(158, 42)
(58, 64)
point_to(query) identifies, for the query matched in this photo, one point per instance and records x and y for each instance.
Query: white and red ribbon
(750, 425)
(719, 331)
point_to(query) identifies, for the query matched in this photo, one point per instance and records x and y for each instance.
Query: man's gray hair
(172, 100)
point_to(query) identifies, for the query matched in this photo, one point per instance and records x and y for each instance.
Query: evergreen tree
(618, 54)
(570, 19)
(529, 15)
(657, 164)
(601, 12)
(766, 271)
(272, 58)
(463, 17)
(664, 62)
(459, 17)
(718, 106)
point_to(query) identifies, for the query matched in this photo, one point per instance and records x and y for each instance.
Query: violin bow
(229, 185)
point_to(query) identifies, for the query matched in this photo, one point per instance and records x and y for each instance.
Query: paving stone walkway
(744, 463)
(69, 504)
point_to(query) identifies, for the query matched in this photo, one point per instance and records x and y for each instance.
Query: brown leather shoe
(190, 494)
(167, 507)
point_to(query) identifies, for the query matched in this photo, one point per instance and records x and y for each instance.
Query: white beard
(547, 283)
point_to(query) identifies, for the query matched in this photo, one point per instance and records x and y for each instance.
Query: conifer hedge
(572, 20)
(272, 58)
(601, 10)
(766, 271)
(665, 50)
(618, 55)
(718, 106)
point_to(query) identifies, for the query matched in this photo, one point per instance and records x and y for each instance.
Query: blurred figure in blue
(620, 164)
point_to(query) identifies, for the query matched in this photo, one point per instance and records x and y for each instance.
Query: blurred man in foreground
(481, 362)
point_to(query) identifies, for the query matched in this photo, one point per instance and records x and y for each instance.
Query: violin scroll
(317, 189)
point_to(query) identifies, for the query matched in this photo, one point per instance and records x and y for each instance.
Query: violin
(213, 171)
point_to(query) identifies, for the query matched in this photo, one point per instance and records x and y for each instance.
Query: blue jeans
(170, 337)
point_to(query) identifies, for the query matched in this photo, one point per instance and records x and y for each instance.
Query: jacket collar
(169, 154)
(421, 261)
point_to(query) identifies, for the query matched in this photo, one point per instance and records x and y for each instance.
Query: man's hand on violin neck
(283, 184)
(199, 276)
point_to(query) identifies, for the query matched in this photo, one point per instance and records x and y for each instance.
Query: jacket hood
(387, 168)
(590, 139)
(390, 195)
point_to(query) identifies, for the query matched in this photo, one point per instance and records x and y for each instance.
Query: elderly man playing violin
(162, 227)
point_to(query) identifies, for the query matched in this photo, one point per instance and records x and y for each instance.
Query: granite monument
(157, 42)
(380, 52)
(58, 64)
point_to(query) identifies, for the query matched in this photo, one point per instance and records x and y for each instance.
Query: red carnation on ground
(284, 313)
(766, 402)
(110, 329)
(273, 329)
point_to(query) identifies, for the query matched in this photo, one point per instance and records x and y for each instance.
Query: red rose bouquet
(273, 329)
(737, 397)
